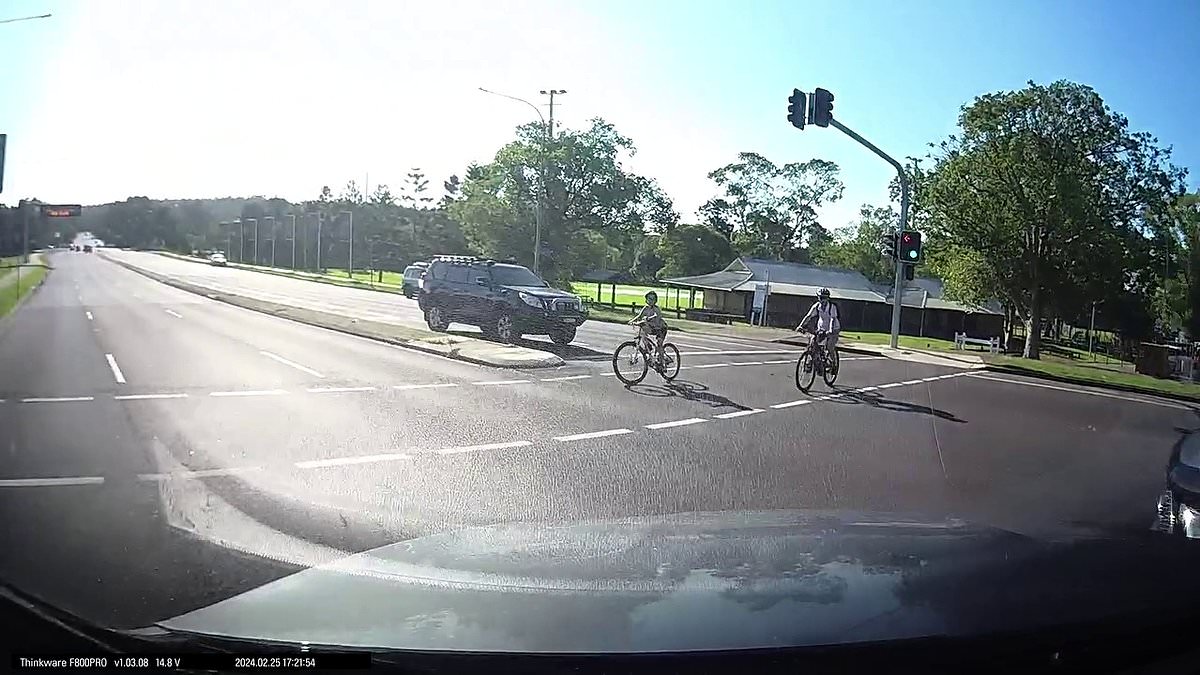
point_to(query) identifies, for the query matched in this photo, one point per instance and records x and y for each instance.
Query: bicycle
(634, 358)
(817, 359)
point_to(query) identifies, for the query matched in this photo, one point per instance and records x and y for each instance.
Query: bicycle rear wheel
(830, 371)
(806, 374)
(629, 364)
(670, 365)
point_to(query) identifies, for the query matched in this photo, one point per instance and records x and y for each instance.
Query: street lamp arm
(535, 108)
(25, 18)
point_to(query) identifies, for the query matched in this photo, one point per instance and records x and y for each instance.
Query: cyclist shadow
(689, 391)
(876, 400)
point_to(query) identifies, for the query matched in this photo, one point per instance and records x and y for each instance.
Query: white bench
(961, 341)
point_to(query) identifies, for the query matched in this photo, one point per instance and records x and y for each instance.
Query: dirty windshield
(923, 277)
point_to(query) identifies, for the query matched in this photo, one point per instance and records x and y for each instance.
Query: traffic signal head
(822, 107)
(887, 244)
(797, 108)
(910, 246)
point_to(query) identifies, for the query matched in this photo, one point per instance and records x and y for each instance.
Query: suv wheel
(436, 318)
(562, 335)
(506, 330)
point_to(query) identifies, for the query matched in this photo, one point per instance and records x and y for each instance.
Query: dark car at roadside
(412, 278)
(504, 300)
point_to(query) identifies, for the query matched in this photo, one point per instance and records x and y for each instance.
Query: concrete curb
(1008, 370)
(360, 328)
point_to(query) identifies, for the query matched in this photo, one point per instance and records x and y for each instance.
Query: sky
(180, 98)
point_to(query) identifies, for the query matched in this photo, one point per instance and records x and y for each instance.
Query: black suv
(505, 300)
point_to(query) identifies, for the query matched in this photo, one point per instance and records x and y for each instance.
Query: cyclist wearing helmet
(826, 314)
(651, 321)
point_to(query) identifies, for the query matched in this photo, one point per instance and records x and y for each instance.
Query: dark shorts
(656, 331)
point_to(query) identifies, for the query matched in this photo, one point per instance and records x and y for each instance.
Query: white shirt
(827, 318)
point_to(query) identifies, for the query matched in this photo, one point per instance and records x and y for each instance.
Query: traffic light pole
(898, 284)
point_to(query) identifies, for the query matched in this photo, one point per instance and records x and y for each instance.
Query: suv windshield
(514, 275)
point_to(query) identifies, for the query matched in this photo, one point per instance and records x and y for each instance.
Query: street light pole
(318, 243)
(350, 257)
(293, 241)
(241, 240)
(255, 240)
(272, 219)
(539, 214)
(551, 93)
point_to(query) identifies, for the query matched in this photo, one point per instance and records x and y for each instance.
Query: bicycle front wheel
(629, 364)
(806, 373)
(670, 365)
(830, 372)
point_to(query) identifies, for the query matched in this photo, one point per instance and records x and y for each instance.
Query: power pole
(552, 93)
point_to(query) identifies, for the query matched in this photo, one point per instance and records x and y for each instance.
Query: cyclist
(651, 321)
(826, 314)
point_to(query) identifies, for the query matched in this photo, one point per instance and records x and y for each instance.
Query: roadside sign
(760, 295)
(61, 210)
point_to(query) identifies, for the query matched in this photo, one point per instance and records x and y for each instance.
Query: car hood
(540, 291)
(697, 581)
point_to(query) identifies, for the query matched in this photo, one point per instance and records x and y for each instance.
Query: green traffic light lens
(912, 254)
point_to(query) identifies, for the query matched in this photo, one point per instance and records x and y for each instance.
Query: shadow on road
(690, 391)
(571, 351)
(876, 400)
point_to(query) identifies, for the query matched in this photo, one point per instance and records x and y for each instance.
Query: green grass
(629, 293)
(395, 278)
(1086, 374)
(12, 291)
(905, 341)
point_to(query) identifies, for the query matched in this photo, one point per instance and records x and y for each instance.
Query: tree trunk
(1033, 325)
(1008, 325)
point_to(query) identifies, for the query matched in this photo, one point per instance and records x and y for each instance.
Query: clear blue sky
(181, 99)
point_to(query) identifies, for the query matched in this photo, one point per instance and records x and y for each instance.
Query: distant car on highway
(217, 259)
(504, 300)
(87, 248)
(412, 278)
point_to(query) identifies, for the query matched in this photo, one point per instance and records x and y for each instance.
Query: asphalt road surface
(162, 451)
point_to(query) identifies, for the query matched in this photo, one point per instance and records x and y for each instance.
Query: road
(162, 451)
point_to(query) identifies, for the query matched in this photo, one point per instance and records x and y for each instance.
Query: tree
(768, 210)
(646, 260)
(1053, 194)
(580, 178)
(693, 249)
(857, 247)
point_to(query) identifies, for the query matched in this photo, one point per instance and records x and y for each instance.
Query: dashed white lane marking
(907, 382)
(57, 399)
(777, 361)
(116, 370)
(676, 423)
(249, 392)
(46, 482)
(293, 364)
(738, 413)
(485, 446)
(792, 404)
(749, 363)
(175, 314)
(593, 434)
(147, 397)
(362, 459)
(89, 316)
(866, 389)
(889, 386)
(566, 378)
(708, 365)
(337, 390)
(484, 383)
(1086, 392)
(435, 385)
(200, 473)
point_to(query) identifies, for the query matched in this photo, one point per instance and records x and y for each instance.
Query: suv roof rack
(462, 259)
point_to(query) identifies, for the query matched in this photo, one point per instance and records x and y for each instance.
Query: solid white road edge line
(57, 399)
(46, 482)
(147, 397)
(565, 379)
(1086, 392)
(342, 461)
(293, 364)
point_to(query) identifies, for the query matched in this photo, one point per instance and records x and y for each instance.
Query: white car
(217, 259)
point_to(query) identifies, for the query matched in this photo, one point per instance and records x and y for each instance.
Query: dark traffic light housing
(910, 246)
(822, 107)
(797, 108)
(887, 244)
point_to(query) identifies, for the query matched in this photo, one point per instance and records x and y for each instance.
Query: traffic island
(480, 352)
